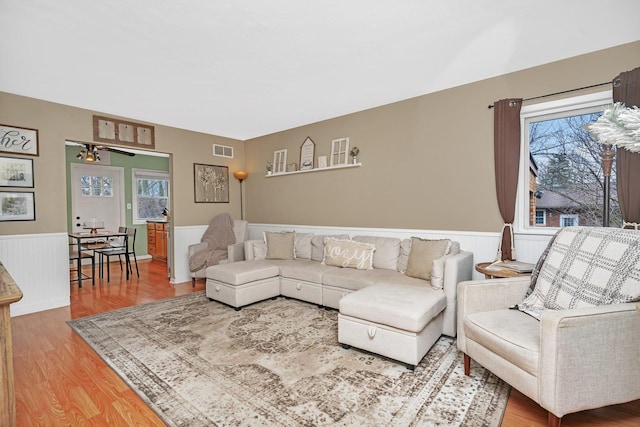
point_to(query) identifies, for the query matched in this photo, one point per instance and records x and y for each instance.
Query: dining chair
(76, 254)
(119, 251)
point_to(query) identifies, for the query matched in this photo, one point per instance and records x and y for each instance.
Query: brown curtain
(506, 152)
(626, 89)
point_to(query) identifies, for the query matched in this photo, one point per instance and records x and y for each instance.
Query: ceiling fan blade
(115, 150)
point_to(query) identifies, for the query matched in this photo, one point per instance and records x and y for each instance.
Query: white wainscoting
(483, 245)
(39, 264)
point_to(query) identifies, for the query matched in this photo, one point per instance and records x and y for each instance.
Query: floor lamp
(241, 176)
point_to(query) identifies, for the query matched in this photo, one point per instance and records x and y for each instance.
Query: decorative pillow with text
(348, 254)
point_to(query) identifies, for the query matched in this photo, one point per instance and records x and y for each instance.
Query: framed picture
(17, 206)
(292, 167)
(211, 183)
(15, 172)
(107, 129)
(340, 151)
(280, 161)
(307, 150)
(17, 140)
(322, 161)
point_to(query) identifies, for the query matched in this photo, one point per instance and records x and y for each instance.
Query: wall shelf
(328, 168)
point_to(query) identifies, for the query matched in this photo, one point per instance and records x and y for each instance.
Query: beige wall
(56, 122)
(427, 162)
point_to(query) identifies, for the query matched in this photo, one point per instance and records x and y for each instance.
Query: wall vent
(222, 151)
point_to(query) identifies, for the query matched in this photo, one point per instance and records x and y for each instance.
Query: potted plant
(269, 168)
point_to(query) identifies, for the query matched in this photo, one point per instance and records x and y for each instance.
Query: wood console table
(9, 293)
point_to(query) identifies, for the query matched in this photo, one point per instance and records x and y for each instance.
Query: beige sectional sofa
(398, 316)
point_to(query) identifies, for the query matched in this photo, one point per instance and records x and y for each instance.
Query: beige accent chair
(235, 251)
(569, 361)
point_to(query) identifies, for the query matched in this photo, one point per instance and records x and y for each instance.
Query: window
(568, 220)
(96, 186)
(150, 194)
(560, 166)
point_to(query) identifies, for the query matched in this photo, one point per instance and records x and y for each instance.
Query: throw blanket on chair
(218, 237)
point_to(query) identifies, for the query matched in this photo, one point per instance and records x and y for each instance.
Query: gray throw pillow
(280, 245)
(423, 253)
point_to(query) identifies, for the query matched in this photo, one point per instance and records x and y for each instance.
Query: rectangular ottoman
(401, 322)
(241, 283)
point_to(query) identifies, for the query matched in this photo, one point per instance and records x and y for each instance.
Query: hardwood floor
(60, 381)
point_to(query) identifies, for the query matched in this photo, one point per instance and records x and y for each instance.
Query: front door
(97, 193)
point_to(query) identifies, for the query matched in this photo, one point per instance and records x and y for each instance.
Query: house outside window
(150, 195)
(568, 220)
(569, 177)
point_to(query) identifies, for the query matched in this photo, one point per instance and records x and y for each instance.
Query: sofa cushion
(405, 307)
(348, 254)
(423, 252)
(507, 333)
(587, 267)
(437, 269)
(306, 270)
(302, 247)
(405, 250)
(259, 249)
(241, 272)
(352, 279)
(387, 250)
(317, 245)
(280, 245)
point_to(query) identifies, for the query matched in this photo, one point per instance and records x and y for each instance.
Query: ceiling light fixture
(89, 154)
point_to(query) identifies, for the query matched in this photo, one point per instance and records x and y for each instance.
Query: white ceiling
(247, 68)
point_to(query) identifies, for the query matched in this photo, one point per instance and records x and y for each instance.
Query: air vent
(222, 151)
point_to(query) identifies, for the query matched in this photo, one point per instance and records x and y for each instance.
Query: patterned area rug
(278, 363)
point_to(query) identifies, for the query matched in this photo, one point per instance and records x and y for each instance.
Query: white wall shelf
(328, 168)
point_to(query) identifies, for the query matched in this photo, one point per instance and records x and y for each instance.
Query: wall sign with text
(17, 140)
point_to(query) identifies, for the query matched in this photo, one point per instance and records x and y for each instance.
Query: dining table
(97, 239)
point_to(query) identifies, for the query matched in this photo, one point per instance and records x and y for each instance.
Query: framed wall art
(17, 206)
(211, 183)
(307, 150)
(280, 161)
(16, 140)
(340, 151)
(16, 172)
(107, 129)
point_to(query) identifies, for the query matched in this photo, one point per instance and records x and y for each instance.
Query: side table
(497, 274)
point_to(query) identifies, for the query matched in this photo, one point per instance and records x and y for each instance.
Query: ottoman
(401, 322)
(240, 283)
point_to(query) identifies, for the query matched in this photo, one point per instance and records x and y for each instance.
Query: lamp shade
(240, 175)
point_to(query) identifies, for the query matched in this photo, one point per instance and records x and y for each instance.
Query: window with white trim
(569, 220)
(561, 177)
(150, 194)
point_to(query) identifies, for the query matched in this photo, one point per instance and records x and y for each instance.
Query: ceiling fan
(90, 152)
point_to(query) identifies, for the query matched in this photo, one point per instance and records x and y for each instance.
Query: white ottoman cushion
(406, 307)
(239, 273)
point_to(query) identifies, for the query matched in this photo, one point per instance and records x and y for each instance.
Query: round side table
(497, 274)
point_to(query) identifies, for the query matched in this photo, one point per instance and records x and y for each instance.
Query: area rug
(278, 363)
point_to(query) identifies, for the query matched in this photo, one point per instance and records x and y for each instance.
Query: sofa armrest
(192, 249)
(235, 252)
(589, 357)
(487, 295)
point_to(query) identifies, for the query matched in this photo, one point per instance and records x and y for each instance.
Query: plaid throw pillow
(587, 267)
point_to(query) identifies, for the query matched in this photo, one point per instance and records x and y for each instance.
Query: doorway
(97, 192)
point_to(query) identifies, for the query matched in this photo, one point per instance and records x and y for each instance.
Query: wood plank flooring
(60, 381)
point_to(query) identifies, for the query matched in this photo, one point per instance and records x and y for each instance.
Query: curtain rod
(616, 82)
